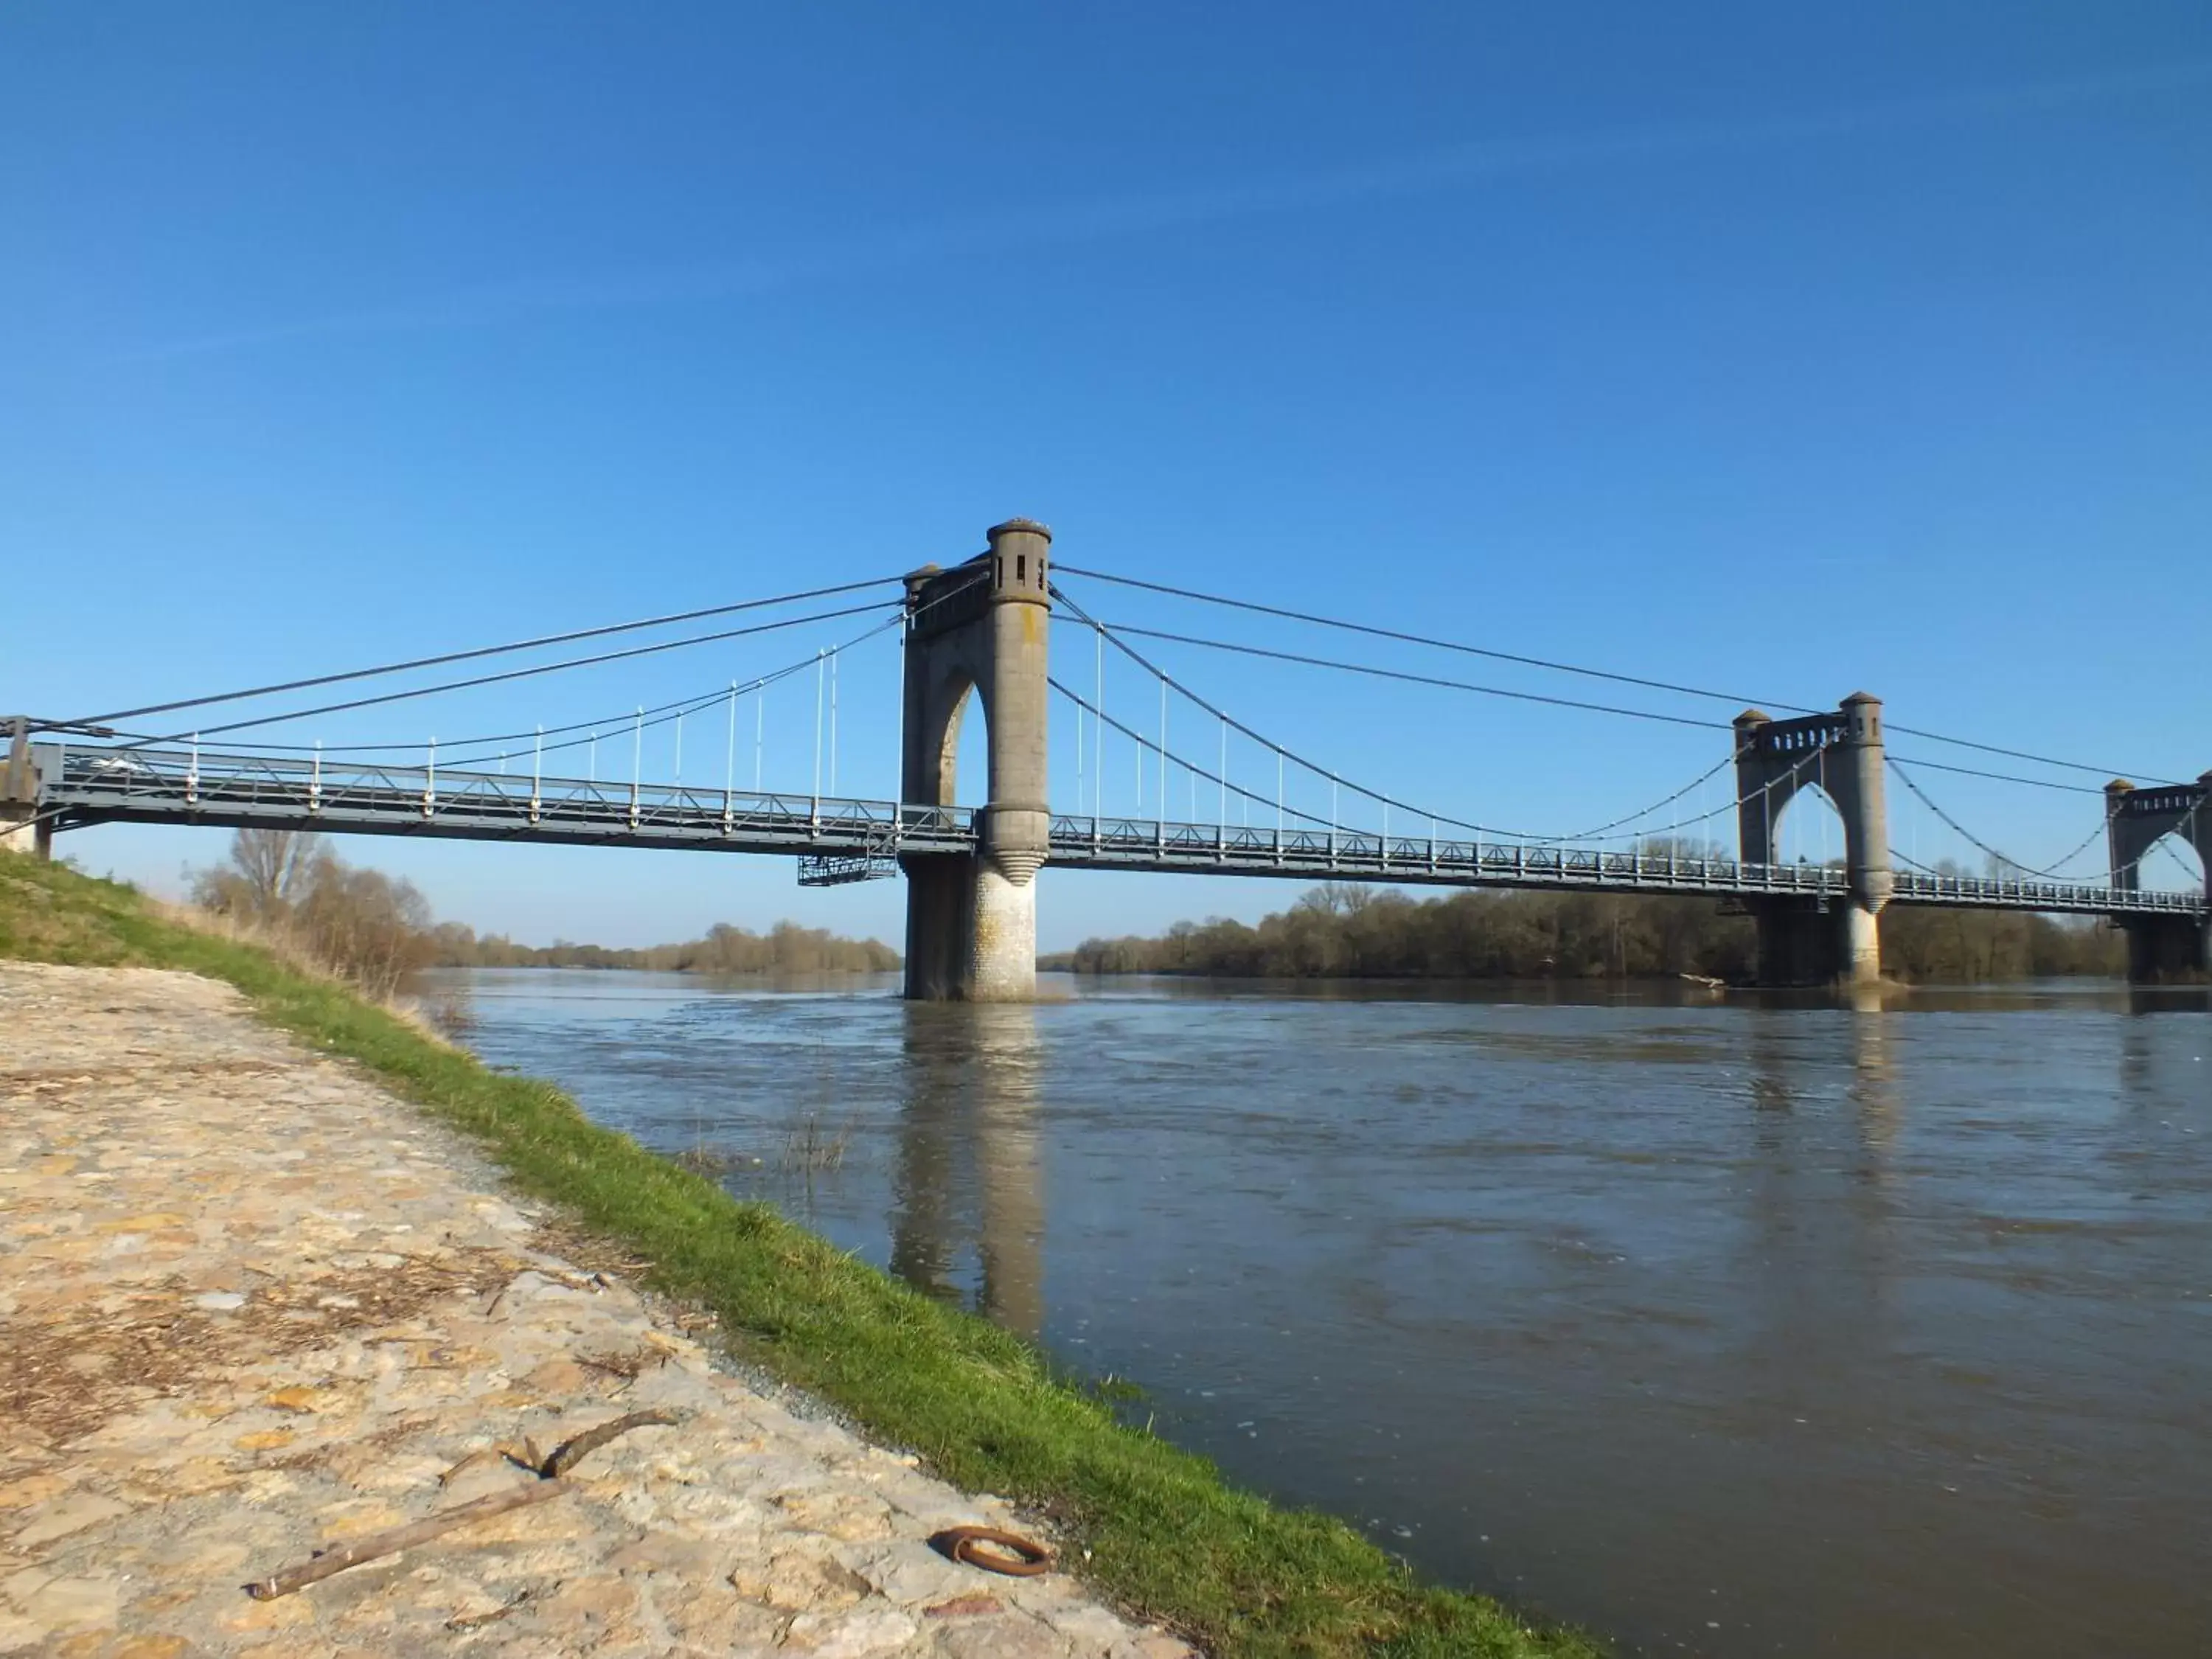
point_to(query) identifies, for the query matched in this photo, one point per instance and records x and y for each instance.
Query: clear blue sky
(1779, 348)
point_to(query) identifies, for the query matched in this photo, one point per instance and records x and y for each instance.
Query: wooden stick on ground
(392, 1539)
(566, 1454)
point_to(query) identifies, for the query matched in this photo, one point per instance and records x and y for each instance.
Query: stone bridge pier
(1815, 941)
(2162, 950)
(980, 629)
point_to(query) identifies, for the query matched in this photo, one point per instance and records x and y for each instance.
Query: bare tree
(269, 874)
(274, 866)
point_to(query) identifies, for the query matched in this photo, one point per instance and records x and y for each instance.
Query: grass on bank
(1168, 1538)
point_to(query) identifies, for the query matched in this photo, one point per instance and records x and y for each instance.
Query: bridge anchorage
(23, 828)
(978, 635)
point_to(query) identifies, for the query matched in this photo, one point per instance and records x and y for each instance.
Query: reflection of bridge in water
(971, 1115)
(969, 1193)
(978, 635)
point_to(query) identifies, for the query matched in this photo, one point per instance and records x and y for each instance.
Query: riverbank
(1157, 1531)
(255, 1306)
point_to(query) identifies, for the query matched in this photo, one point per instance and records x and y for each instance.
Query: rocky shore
(251, 1307)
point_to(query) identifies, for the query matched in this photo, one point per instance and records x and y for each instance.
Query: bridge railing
(1931, 888)
(304, 790)
(313, 788)
(1307, 850)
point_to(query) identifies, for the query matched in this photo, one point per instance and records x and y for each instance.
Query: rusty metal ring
(1027, 1560)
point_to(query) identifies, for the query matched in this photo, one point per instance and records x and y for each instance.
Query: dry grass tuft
(293, 950)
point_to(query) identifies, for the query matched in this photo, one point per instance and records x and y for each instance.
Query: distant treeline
(786, 948)
(1357, 932)
(292, 892)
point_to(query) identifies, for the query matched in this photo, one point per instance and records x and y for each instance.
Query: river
(1716, 1327)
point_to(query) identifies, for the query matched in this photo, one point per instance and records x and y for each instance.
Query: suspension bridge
(981, 631)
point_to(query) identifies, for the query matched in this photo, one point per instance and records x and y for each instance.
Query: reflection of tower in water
(968, 1131)
(1874, 1077)
(2141, 1082)
(1778, 1051)
(1818, 1269)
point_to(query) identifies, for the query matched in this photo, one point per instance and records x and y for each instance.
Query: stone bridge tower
(1813, 941)
(2161, 947)
(981, 627)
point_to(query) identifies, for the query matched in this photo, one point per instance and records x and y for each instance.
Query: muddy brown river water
(1716, 1327)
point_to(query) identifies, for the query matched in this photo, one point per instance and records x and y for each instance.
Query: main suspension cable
(1372, 671)
(1112, 635)
(1698, 782)
(2012, 754)
(1226, 719)
(1173, 759)
(647, 720)
(2000, 777)
(661, 714)
(1425, 640)
(1320, 621)
(515, 674)
(2009, 862)
(1253, 795)
(483, 651)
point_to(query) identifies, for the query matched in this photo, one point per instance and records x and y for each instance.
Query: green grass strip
(1169, 1537)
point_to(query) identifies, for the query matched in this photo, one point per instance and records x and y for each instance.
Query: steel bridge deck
(161, 786)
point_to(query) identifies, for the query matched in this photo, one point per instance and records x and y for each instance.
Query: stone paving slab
(251, 1305)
